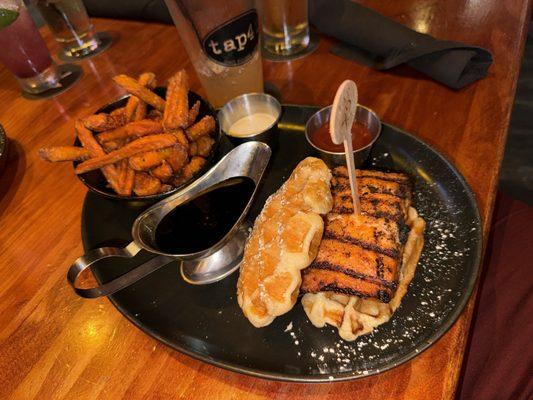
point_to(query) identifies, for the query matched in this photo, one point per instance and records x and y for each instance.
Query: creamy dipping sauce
(251, 125)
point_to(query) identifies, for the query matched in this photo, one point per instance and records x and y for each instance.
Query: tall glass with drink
(222, 41)
(285, 26)
(69, 23)
(23, 51)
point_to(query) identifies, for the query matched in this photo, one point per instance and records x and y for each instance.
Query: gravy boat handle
(93, 256)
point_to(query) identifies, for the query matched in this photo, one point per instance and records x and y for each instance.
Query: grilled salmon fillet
(382, 194)
(361, 254)
(325, 280)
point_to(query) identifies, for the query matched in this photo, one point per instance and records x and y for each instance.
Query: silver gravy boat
(201, 267)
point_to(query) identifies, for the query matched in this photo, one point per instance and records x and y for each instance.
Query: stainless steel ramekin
(247, 104)
(364, 115)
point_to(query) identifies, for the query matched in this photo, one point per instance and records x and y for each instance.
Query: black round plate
(205, 321)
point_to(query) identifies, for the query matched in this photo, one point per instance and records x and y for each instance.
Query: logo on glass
(234, 42)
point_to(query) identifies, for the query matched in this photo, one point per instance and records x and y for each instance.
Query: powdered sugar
(432, 297)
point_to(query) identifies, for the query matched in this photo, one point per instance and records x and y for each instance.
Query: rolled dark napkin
(382, 44)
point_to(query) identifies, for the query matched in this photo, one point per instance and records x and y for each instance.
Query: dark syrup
(205, 220)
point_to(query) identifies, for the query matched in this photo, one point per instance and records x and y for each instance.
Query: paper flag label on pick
(343, 111)
(340, 127)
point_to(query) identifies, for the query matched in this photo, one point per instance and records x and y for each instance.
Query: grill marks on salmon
(382, 195)
(324, 280)
(370, 265)
(360, 255)
(376, 234)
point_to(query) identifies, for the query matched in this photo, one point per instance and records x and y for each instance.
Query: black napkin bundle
(382, 44)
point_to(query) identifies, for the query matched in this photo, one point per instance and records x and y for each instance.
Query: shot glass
(69, 23)
(285, 26)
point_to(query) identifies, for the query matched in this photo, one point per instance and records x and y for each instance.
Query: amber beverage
(222, 41)
(285, 25)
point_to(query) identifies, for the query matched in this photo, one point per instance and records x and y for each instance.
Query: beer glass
(24, 52)
(285, 26)
(69, 23)
(222, 41)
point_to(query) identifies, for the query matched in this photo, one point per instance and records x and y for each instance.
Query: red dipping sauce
(321, 138)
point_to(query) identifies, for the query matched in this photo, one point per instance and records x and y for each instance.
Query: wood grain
(55, 345)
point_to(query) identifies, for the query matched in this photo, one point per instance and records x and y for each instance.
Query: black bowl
(96, 182)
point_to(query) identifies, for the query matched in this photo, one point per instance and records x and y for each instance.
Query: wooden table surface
(54, 345)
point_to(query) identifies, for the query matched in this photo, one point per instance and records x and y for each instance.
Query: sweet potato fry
(165, 188)
(118, 112)
(145, 94)
(122, 167)
(155, 115)
(177, 104)
(131, 106)
(203, 127)
(112, 145)
(136, 108)
(148, 79)
(145, 184)
(126, 175)
(103, 122)
(127, 185)
(192, 168)
(150, 159)
(163, 172)
(204, 144)
(178, 180)
(132, 129)
(182, 138)
(143, 144)
(193, 149)
(193, 113)
(64, 153)
(140, 111)
(178, 158)
(88, 141)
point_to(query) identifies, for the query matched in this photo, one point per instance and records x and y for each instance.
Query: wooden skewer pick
(340, 128)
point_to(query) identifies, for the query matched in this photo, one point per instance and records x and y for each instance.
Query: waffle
(355, 316)
(284, 240)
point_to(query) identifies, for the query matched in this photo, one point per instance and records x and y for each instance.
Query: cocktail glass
(23, 51)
